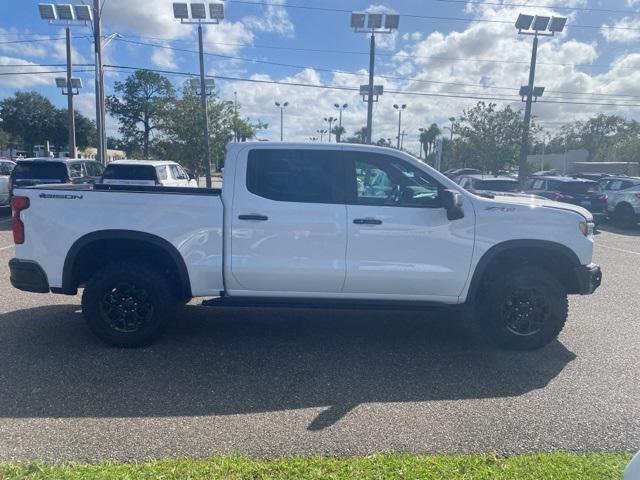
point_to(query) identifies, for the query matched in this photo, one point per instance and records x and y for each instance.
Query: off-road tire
(128, 304)
(524, 308)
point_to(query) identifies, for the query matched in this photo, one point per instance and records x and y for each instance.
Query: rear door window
(305, 176)
(75, 170)
(162, 173)
(94, 169)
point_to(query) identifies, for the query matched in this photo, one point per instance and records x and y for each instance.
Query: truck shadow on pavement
(238, 361)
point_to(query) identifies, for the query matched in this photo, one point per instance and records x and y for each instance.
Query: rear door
(288, 223)
(400, 242)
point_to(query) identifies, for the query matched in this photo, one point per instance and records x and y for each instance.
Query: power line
(393, 55)
(39, 72)
(388, 77)
(408, 15)
(33, 65)
(353, 89)
(554, 7)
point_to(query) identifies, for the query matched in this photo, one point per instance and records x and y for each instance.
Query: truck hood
(503, 201)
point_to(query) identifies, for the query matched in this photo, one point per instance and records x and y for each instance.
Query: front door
(400, 242)
(288, 223)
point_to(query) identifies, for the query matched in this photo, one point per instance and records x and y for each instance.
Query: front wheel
(128, 304)
(625, 216)
(522, 309)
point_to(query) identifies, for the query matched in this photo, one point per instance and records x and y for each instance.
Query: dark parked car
(38, 171)
(577, 191)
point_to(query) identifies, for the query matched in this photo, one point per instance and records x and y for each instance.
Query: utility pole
(524, 149)
(99, 85)
(72, 120)
(205, 113)
(235, 112)
(372, 63)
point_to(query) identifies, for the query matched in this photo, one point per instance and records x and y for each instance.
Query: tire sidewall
(160, 296)
(490, 313)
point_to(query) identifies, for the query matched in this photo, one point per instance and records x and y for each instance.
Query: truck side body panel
(58, 218)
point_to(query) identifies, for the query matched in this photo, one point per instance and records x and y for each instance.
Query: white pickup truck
(311, 225)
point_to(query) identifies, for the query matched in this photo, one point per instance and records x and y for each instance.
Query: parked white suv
(146, 172)
(6, 167)
(623, 199)
(306, 224)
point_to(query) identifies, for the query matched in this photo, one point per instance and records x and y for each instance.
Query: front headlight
(586, 228)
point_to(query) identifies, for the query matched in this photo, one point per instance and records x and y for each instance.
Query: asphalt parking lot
(279, 382)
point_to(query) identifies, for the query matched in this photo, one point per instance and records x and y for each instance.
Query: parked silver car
(623, 202)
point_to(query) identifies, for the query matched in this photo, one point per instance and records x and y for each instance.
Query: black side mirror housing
(452, 202)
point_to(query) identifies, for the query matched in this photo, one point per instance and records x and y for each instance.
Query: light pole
(282, 106)
(538, 26)
(340, 108)
(321, 132)
(374, 25)
(199, 17)
(330, 121)
(68, 16)
(399, 108)
(421, 130)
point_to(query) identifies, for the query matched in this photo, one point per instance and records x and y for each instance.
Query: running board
(326, 303)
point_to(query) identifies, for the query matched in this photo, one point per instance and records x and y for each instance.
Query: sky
(445, 57)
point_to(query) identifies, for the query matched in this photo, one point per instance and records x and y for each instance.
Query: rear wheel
(128, 304)
(625, 216)
(522, 309)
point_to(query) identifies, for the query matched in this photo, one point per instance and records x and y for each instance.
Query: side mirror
(452, 202)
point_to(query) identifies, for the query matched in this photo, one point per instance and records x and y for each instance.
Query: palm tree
(338, 131)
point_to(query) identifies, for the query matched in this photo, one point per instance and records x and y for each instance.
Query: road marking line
(620, 250)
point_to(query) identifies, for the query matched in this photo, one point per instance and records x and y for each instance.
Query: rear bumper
(589, 278)
(28, 276)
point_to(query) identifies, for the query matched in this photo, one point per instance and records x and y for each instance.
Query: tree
(30, 116)
(143, 100)
(359, 136)
(428, 138)
(338, 131)
(492, 136)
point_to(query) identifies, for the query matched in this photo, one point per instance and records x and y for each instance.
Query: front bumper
(589, 278)
(28, 276)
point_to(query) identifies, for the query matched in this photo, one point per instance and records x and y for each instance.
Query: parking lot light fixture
(375, 23)
(68, 16)
(537, 26)
(199, 18)
(330, 121)
(282, 106)
(340, 108)
(399, 108)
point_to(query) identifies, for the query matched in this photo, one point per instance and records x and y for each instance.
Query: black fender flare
(502, 247)
(68, 285)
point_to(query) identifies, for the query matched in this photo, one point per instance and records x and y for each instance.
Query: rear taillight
(603, 197)
(17, 205)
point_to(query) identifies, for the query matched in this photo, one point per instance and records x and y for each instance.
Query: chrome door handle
(260, 218)
(367, 221)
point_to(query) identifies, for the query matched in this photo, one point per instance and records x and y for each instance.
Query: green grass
(556, 466)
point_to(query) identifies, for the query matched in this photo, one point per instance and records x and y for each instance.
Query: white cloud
(163, 58)
(624, 30)
(22, 81)
(274, 20)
